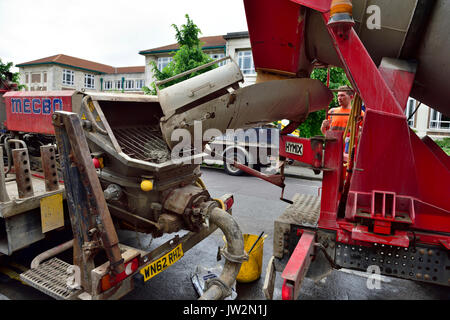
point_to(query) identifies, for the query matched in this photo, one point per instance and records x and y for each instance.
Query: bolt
(422, 251)
(427, 277)
(430, 252)
(418, 275)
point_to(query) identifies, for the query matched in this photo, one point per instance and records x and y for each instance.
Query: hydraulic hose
(234, 254)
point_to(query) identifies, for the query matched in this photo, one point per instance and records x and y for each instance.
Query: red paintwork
(319, 5)
(400, 82)
(298, 264)
(277, 47)
(399, 238)
(332, 181)
(312, 151)
(33, 121)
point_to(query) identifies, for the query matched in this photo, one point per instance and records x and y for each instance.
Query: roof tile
(84, 64)
(211, 41)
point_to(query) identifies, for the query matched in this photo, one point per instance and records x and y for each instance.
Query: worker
(339, 121)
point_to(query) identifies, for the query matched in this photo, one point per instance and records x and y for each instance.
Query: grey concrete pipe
(234, 254)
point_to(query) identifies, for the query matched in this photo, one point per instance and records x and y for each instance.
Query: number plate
(294, 148)
(162, 263)
(52, 214)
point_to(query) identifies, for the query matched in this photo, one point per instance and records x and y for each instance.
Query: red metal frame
(311, 150)
(298, 265)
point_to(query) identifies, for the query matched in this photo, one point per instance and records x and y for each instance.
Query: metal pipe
(8, 150)
(50, 253)
(235, 249)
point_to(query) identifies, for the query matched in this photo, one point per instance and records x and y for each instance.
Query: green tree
(5, 69)
(187, 57)
(311, 126)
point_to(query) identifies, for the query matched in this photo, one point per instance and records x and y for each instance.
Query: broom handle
(255, 243)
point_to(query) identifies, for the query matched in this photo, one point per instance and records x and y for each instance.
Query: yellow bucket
(251, 269)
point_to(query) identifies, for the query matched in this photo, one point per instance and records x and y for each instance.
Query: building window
(35, 78)
(139, 84)
(108, 85)
(163, 61)
(89, 81)
(129, 84)
(410, 108)
(216, 56)
(68, 77)
(245, 62)
(118, 84)
(439, 121)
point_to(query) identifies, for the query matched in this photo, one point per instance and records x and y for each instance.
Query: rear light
(287, 291)
(109, 281)
(229, 202)
(98, 163)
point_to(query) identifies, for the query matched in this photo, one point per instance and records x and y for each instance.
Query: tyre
(232, 170)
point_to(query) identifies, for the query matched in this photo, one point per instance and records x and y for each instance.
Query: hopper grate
(143, 143)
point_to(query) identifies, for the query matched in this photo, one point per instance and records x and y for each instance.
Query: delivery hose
(220, 288)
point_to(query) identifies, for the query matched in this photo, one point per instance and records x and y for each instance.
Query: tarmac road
(256, 206)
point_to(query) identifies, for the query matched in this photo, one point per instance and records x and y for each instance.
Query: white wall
(119, 76)
(232, 48)
(35, 69)
(55, 73)
(148, 69)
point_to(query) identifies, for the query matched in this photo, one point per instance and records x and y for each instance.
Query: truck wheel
(232, 170)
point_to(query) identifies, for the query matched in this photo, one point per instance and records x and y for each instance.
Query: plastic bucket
(251, 269)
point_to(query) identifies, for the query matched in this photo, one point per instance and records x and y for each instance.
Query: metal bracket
(232, 257)
(226, 290)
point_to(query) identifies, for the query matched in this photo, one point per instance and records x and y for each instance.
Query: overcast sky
(106, 31)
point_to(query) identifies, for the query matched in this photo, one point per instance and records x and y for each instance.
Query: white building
(427, 121)
(235, 44)
(63, 72)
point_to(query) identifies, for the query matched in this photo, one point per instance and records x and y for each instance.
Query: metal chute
(245, 107)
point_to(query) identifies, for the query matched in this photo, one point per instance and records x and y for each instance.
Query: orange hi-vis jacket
(339, 122)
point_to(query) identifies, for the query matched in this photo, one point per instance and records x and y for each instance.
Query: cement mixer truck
(386, 205)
